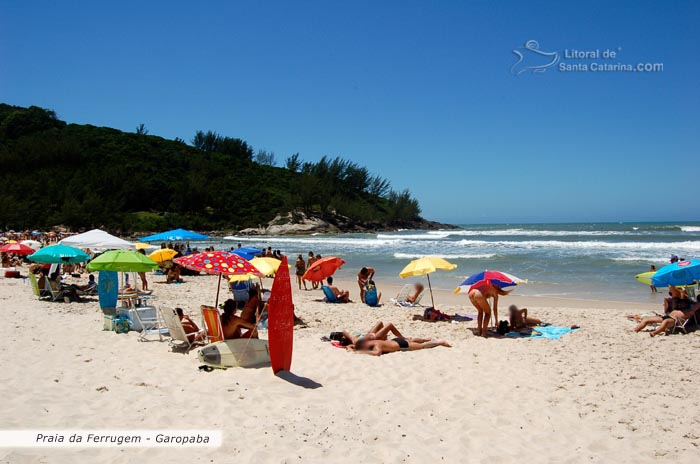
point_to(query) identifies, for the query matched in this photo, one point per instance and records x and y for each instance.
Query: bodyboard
(241, 352)
(108, 289)
(280, 323)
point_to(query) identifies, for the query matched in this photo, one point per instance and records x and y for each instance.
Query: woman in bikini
(380, 331)
(379, 347)
(363, 278)
(479, 298)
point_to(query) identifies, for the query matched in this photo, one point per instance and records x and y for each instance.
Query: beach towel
(552, 332)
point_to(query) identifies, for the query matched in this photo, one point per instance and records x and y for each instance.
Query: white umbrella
(97, 239)
(33, 244)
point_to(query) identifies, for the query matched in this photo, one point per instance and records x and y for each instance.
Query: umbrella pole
(431, 291)
(218, 287)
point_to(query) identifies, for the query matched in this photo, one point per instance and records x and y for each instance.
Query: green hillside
(84, 176)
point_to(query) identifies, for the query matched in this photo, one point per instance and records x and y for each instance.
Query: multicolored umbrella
(162, 255)
(323, 268)
(217, 262)
(17, 249)
(424, 266)
(122, 261)
(496, 278)
(677, 274)
(59, 254)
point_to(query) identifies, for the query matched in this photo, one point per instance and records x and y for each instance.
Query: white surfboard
(242, 352)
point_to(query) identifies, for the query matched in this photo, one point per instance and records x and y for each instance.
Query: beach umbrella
(97, 239)
(122, 261)
(17, 249)
(677, 274)
(424, 266)
(59, 254)
(162, 255)
(266, 266)
(33, 244)
(323, 268)
(176, 235)
(247, 253)
(497, 278)
(142, 246)
(217, 263)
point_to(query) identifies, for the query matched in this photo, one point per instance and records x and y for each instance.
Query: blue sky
(420, 92)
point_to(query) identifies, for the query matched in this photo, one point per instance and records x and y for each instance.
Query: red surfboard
(280, 320)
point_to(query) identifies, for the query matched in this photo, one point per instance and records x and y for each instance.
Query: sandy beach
(601, 394)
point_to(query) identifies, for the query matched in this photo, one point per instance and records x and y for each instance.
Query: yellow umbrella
(266, 266)
(162, 255)
(424, 266)
(142, 246)
(240, 277)
(12, 241)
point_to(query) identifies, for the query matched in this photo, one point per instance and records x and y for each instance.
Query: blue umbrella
(677, 274)
(246, 252)
(59, 254)
(176, 235)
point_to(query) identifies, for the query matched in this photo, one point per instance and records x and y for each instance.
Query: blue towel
(551, 332)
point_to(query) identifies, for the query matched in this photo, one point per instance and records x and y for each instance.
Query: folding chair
(212, 321)
(177, 332)
(150, 325)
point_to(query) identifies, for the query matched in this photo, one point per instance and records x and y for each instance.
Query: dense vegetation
(85, 176)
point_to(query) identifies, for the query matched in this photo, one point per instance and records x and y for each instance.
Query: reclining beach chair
(35, 285)
(401, 298)
(688, 323)
(91, 290)
(149, 326)
(330, 296)
(177, 332)
(55, 294)
(212, 321)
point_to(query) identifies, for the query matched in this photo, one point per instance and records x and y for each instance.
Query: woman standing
(300, 266)
(479, 298)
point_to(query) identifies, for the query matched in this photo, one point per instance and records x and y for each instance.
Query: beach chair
(177, 332)
(401, 298)
(212, 321)
(150, 325)
(91, 290)
(330, 296)
(55, 294)
(35, 285)
(692, 321)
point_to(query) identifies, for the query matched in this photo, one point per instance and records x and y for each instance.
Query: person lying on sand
(379, 347)
(341, 295)
(379, 331)
(233, 325)
(520, 320)
(668, 321)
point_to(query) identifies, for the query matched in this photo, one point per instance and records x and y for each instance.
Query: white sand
(599, 395)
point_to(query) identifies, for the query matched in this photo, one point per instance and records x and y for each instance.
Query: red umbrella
(17, 248)
(323, 268)
(217, 262)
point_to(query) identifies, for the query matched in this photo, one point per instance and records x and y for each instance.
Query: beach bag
(502, 328)
(121, 324)
(371, 298)
(433, 315)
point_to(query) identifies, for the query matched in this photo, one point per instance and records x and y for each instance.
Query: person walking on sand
(300, 267)
(363, 277)
(479, 298)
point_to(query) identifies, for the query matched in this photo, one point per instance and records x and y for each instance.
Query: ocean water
(596, 261)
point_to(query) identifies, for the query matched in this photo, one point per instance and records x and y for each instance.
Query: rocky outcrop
(299, 223)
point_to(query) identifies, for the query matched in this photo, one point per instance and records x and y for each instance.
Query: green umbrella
(59, 254)
(122, 261)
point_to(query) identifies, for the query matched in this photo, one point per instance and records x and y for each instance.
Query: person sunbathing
(233, 325)
(520, 320)
(251, 310)
(417, 290)
(675, 317)
(341, 295)
(379, 347)
(379, 331)
(189, 326)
